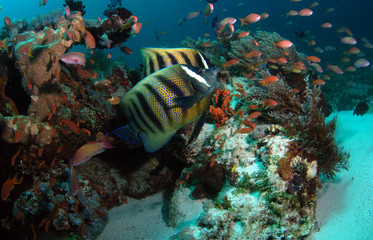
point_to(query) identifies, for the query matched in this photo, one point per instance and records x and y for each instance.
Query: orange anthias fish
(83, 154)
(251, 18)
(70, 124)
(243, 34)
(8, 186)
(193, 14)
(283, 44)
(269, 80)
(305, 12)
(136, 28)
(89, 150)
(254, 115)
(231, 62)
(253, 54)
(269, 103)
(318, 82)
(334, 68)
(313, 59)
(89, 39)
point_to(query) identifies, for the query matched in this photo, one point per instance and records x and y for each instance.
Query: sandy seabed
(345, 204)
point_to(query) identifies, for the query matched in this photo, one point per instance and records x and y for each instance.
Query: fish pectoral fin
(127, 133)
(197, 127)
(153, 142)
(187, 101)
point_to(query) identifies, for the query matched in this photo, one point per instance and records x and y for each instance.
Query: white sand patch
(345, 205)
(139, 219)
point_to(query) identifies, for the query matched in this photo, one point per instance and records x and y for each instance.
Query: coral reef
(48, 109)
(258, 159)
(271, 140)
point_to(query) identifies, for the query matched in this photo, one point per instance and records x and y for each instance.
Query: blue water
(163, 15)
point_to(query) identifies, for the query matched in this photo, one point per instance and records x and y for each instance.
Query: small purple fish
(90, 150)
(77, 58)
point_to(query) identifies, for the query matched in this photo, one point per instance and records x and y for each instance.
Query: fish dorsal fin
(154, 142)
(155, 59)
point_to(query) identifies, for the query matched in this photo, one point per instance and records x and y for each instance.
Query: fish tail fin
(3, 43)
(16, 180)
(106, 141)
(242, 22)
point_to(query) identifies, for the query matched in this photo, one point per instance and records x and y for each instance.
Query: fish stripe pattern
(141, 118)
(157, 58)
(133, 116)
(161, 62)
(167, 100)
(170, 85)
(151, 65)
(185, 58)
(146, 108)
(173, 59)
(160, 100)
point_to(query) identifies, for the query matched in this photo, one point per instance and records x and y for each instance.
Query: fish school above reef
(256, 150)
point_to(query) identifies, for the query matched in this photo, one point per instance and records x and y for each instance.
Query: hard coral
(210, 180)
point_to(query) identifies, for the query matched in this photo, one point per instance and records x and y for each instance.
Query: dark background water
(163, 16)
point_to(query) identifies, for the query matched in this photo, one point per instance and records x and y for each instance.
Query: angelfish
(165, 101)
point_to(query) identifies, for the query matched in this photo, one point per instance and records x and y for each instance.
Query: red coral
(222, 111)
(218, 115)
(220, 95)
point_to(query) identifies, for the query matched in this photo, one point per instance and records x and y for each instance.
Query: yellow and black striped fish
(165, 101)
(155, 59)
